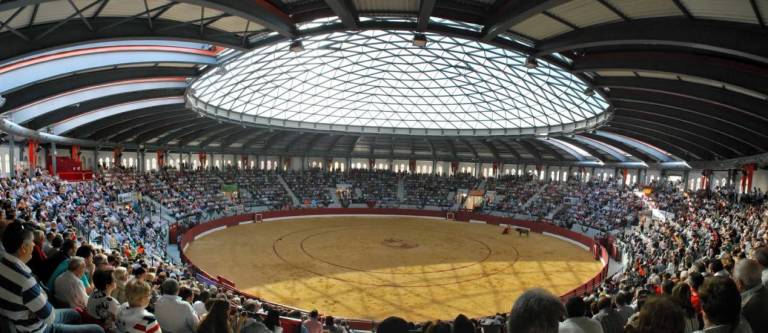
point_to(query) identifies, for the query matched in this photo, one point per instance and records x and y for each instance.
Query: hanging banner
(32, 153)
(202, 158)
(117, 155)
(160, 158)
(371, 164)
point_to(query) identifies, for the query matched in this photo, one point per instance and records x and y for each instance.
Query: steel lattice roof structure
(675, 79)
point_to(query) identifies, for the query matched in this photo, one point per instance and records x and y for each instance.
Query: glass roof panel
(367, 78)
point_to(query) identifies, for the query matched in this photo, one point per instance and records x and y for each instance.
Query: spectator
(199, 304)
(535, 311)
(392, 325)
(101, 305)
(173, 313)
(312, 324)
(121, 278)
(218, 320)
(67, 250)
(660, 315)
(695, 280)
(761, 255)
(577, 322)
(622, 305)
(754, 296)
(37, 315)
(252, 320)
(70, 288)
(133, 316)
(272, 321)
(612, 321)
(721, 304)
(462, 324)
(681, 294)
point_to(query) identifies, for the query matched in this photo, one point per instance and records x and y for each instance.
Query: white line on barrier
(352, 215)
(586, 248)
(208, 232)
(477, 222)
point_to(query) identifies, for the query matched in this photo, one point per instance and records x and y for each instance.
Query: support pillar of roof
(11, 143)
(53, 158)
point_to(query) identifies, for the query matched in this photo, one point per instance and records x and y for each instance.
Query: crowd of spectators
(75, 259)
(257, 188)
(375, 185)
(513, 192)
(435, 190)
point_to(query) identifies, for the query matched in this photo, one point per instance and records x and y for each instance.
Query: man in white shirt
(69, 288)
(577, 322)
(174, 314)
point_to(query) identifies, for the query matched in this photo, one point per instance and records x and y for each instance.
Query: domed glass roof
(379, 82)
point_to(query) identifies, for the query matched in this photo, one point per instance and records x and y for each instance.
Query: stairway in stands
(535, 196)
(401, 189)
(287, 188)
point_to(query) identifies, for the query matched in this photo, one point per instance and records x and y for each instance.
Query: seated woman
(101, 305)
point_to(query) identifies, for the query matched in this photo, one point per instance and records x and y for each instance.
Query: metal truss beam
(740, 74)
(729, 38)
(24, 75)
(346, 11)
(69, 124)
(513, 12)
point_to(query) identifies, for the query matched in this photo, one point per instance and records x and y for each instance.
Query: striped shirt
(136, 320)
(22, 300)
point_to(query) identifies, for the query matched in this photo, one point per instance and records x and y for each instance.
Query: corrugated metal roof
(235, 24)
(387, 5)
(540, 27)
(584, 13)
(186, 13)
(637, 9)
(731, 10)
(128, 8)
(615, 73)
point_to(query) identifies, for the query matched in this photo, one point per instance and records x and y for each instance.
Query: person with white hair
(175, 314)
(754, 297)
(69, 287)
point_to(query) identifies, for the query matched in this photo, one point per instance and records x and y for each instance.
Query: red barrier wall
(534, 226)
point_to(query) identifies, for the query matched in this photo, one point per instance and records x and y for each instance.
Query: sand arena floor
(374, 267)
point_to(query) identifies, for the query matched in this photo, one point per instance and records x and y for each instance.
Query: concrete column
(95, 158)
(12, 163)
(686, 174)
(434, 167)
(53, 157)
(304, 163)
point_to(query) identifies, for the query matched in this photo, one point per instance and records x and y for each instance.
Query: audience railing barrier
(465, 216)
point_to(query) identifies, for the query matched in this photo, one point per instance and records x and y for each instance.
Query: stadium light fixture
(296, 46)
(589, 91)
(420, 40)
(2, 101)
(531, 62)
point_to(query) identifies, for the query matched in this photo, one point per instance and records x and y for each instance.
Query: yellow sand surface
(375, 267)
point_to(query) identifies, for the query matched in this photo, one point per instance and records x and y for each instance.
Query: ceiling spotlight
(296, 46)
(2, 101)
(200, 114)
(589, 91)
(420, 40)
(531, 62)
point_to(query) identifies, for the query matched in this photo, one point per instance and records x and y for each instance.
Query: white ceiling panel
(540, 27)
(729, 10)
(637, 9)
(584, 13)
(387, 5)
(235, 24)
(185, 13)
(129, 7)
